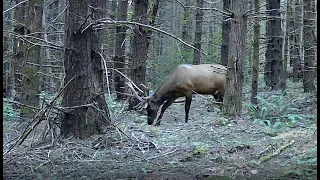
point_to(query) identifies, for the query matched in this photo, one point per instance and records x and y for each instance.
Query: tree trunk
(256, 55)
(30, 83)
(119, 57)
(8, 61)
(232, 103)
(309, 45)
(274, 64)
(109, 44)
(139, 46)
(84, 93)
(140, 42)
(198, 33)
(286, 39)
(296, 44)
(187, 27)
(225, 34)
(19, 50)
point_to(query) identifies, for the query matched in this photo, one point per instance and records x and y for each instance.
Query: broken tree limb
(276, 153)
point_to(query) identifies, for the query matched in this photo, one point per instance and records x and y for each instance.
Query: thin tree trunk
(140, 42)
(286, 39)
(308, 45)
(296, 53)
(274, 63)
(173, 27)
(19, 49)
(90, 113)
(225, 34)
(187, 27)
(109, 45)
(198, 33)
(119, 57)
(30, 83)
(256, 55)
(139, 46)
(232, 103)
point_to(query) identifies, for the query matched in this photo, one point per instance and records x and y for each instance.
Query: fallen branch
(277, 152)
(37, 119)
(19, 103)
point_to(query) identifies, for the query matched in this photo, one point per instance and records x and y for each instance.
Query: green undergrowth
(278, 112)
(9, 112)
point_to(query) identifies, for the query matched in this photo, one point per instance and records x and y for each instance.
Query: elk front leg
(164, 107)
(187, 106)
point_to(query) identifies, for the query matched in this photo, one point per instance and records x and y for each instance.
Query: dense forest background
(69, 67)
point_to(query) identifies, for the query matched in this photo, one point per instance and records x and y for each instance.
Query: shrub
(274, 112)
(9, 113)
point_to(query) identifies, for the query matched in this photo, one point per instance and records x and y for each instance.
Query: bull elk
(186, 80)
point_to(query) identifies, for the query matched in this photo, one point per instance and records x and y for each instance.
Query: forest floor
(209, 146)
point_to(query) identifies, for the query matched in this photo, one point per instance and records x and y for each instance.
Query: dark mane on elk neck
(186, 80)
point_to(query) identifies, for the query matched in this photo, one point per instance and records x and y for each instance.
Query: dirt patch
(209, 146)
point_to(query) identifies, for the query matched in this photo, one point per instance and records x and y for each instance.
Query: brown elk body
(185, 80)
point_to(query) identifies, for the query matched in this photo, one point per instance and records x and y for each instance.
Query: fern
(274, 112)
(9, 113)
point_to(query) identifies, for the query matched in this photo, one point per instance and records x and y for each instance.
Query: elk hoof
(157, 123)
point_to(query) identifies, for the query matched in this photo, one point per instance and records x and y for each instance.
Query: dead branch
(277, 152)
(15, 6)
(127, 79)
(37, 119)
(102, 21)
(19, 103)
(48, 44)
(229, 13)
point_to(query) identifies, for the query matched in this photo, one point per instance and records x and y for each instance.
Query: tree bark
(30, 83)
(274, 75)
(140, 42)
(296, 44)
(309, 45)
(256, 55)
(286, 39)
(83, 70)
(19, 50)
(187, 27)
(198, 33)
(109, 45)
(139, 46)
(232, 102)
(119, 57)
(225, 34)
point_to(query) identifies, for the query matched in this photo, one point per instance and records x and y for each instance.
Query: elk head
(150, 103)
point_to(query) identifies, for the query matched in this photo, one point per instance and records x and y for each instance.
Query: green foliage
(9, 113)
(113, 105)
(214, 49)
(223, 121)
(218, 178)
(111, 101)
(309, 157)
(187, 57)
(274, 112)
(200, 149)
